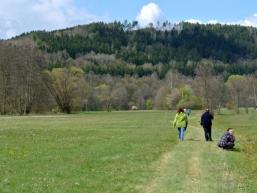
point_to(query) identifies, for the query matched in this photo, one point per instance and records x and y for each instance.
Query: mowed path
(195, 166)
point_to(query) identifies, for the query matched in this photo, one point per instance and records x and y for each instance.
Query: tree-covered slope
(183, 42)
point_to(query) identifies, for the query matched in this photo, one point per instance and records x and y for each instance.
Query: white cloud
(249, 21)
(150, 13)
(19, 16)
(213, 22)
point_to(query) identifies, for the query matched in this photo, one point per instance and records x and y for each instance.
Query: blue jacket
(206, 119)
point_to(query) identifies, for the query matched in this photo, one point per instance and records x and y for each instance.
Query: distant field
(118, 152)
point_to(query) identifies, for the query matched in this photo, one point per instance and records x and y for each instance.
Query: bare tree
(248, 92)
(235, 84)
(253, 88)
(172, 99)
(104, 95)
(160, 98)
(20, 80)
(4, 75)
(220, 93)
(119, 96)
(27, 82)
(173, 79)
(203, 82)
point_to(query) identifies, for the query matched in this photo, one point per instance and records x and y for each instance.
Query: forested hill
(119, 65)
(165, 44)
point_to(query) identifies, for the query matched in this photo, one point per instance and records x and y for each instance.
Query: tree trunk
(254, 94)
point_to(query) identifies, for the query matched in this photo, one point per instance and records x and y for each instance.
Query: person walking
(180, 122)
(206, 122)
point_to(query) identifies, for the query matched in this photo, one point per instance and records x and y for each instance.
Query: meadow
(100, 152)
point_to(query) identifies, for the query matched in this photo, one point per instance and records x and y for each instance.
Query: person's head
(207, 110)
(230, 130)
(180, 110)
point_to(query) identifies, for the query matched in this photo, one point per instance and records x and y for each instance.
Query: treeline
(179, 47)
(117, 66)
(28, 86)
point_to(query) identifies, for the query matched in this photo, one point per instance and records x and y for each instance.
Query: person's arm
(230, 143)
(175, 120)
(228, 139)
(232, 139)
(186, 124)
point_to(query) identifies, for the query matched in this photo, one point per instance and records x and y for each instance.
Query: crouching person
(227, 141)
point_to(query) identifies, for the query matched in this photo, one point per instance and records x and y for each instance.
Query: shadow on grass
(191, 139)
(233, 150)
(236, 149)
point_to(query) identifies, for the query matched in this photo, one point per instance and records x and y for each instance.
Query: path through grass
(124, 152)
(197, 166)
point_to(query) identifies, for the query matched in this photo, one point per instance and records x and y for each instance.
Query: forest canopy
(178, 46)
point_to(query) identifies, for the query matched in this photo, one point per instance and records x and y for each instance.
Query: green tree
(62, 84)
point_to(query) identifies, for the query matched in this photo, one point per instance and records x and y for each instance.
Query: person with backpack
(227, 141)
(206, 122)
(180, 122)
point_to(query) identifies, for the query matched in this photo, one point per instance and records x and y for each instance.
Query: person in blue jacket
(206, 122)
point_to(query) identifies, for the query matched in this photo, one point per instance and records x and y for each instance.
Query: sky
(18, 16)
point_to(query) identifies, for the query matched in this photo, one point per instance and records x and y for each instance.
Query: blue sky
(175, 10)
(18, 16)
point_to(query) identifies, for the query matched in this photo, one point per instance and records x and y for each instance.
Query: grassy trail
(125, 152)
(197, 166)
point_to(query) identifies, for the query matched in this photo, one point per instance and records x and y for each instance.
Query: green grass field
(133, 152)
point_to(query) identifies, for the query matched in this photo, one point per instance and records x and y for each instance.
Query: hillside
(116, 66)
(231, 48)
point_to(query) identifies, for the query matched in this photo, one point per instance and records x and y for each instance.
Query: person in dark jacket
(206, 122)
(227, 141)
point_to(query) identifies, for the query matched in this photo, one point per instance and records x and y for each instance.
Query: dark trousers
(207, 132)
